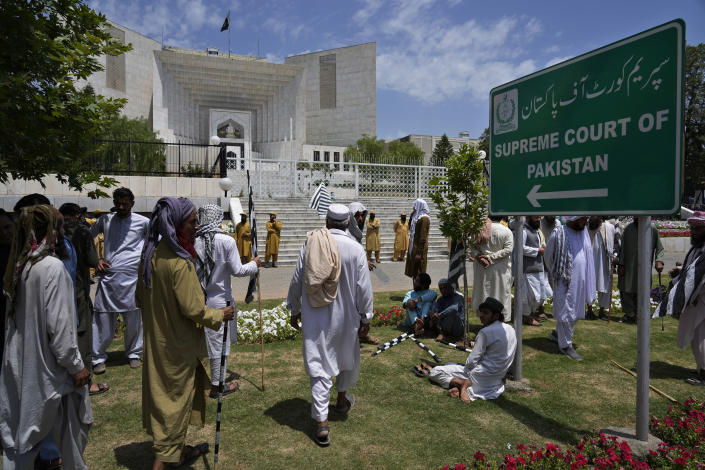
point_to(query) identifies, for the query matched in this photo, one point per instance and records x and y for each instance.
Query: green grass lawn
(399, 420)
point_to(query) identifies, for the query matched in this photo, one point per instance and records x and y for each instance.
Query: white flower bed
(275, 325)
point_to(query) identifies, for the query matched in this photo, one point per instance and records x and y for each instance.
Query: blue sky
(436, 59)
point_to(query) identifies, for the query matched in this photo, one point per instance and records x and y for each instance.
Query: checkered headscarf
(210, 217)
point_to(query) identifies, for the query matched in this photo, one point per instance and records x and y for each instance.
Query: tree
(461, 198)
(484, 143)
(48, 47)
(404, 153)
(137, 149)
(442, 152)
(694, 117)
(367, 149)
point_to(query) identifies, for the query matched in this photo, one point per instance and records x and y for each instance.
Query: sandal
(349, 403)
(190, 454)
(695, 381)
(531, 321)
(322, 435)
(228, 388)
(420, 371)
(102, 388)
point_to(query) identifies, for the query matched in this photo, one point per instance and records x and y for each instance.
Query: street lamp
(225, 184)
(485, 163)
(215, 140)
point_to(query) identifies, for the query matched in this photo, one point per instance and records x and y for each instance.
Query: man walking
(271, 249)
(372, 241)
(627, 268)
(218, 260)
(569, 255)
(331, 295)
(174, 378)
(401, 238)
(536, 287)
(602, 239)
(124, 234)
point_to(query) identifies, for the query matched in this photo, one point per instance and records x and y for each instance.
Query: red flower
(479, 456)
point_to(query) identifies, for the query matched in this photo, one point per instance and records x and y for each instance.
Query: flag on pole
(252, 286)
(320, 200)
(456, 262)
(226, 23)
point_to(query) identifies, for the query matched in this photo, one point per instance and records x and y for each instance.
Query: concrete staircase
(297, 219)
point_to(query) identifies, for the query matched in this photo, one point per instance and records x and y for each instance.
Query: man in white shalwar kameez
(330, 332)
(493, 354)
(218, 260)
(125, 233)
(569, 255)
(602, 239)
(492, 275)
(536, 287)
(43, 380)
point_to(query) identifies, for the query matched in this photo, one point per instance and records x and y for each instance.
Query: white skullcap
(573, 217)
(338, 213)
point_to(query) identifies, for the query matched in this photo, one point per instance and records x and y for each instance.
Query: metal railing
(135, 157)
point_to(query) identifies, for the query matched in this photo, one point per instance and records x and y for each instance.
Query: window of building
(326, 156)
(327, 81)
(336, 159)
(316, 156)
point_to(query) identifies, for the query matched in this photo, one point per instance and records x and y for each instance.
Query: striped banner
(425, 348)
(456, 263)
(320, 200)
(453, 345)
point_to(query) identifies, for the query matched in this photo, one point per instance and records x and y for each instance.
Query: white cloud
(425, 55)
(284, 28)
(367, 11)
(180, 20)
(557, 60)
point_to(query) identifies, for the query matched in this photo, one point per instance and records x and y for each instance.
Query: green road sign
(598, 134)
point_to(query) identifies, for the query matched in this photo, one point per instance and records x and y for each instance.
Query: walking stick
(425, 348)
(261, 328)
(391, 343)
(664, 395)
(453, 346)
(609, 311)
(221, 382)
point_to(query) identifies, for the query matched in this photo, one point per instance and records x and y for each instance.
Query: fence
(118, 157)
(287, 178)
(269, 178)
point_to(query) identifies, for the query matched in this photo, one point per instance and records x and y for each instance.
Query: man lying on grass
(482, 374)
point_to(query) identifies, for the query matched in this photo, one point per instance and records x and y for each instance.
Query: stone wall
(355, 109)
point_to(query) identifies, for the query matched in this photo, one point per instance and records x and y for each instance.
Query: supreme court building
(260, 109)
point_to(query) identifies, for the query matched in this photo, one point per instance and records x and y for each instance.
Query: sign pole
(518, 291)
(643, 327)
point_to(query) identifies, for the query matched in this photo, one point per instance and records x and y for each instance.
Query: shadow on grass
(542, 425)
(542, 344)
(664, 370)
(293, 413)
(139, 456)
(117, 358)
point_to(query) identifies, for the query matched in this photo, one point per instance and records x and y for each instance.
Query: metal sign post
(643, 327)
(519, 294)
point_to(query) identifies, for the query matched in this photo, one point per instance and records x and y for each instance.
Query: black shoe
(590, 316)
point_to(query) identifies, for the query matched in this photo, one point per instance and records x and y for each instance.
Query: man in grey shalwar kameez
(43, 380)
(569, 255)
(343, 307)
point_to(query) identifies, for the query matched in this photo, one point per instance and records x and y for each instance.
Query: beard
(697, 241)
(593, 225)
(535, 224)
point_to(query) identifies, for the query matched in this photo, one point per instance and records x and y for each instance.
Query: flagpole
(228, 34)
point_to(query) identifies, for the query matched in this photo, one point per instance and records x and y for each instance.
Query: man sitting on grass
(482, 374)
(418, 303)
(448, 313)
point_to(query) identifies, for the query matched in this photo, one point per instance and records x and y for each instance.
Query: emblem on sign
(505, 112)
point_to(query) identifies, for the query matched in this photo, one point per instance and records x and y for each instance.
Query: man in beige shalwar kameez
(174, 374)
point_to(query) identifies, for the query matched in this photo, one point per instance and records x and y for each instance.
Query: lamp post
(225, 184)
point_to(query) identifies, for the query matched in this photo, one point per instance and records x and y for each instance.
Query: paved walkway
(387, 277)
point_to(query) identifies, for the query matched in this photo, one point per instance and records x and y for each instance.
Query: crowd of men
(169, 277)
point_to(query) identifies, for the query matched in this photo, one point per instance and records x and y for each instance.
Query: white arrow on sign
(534, 195)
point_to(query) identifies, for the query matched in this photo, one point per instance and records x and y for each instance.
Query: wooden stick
(261, 327)
(668, 397)
(609, 312)
(221, 382)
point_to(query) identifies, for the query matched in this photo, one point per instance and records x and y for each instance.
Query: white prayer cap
(356, 207)
(570, 218)
(338, 213)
